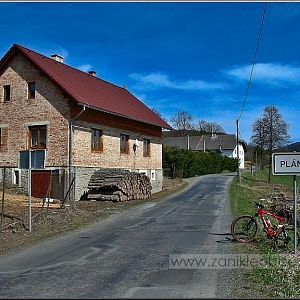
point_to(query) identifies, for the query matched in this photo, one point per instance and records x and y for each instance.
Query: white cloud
(48, 49)
(285, 10)
(267, 73)
(85, 68)
(159, 80)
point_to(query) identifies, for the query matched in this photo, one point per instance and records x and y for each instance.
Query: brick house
(83, 122)
(225, 144)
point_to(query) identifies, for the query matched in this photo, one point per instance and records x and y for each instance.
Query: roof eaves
(6, 57)
(117, 114)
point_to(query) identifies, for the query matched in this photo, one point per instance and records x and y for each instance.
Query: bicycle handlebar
(258, 204)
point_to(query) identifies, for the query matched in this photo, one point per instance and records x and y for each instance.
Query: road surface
(132, 254)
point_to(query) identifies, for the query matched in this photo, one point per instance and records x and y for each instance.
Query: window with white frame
(16, 177)
(152, 174)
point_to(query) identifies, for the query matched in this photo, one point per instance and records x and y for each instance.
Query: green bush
(197, 163)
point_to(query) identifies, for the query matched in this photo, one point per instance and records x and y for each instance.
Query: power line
(35, 22)
(53, 12)
(257, 44)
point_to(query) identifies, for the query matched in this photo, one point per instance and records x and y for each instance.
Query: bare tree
(182, 121)
(258, 139)
(270, 132)
(205, 127)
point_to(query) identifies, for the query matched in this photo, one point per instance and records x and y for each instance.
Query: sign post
(295, 213)
(29, 159)
(288, 163)
(29, 191)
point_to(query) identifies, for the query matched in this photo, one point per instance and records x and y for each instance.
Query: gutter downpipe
(71, 123)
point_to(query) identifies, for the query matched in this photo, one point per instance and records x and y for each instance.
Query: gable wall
(17, 114)
(241, 155)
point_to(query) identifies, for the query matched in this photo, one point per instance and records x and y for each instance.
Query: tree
(210, 127)
(182, 121)
(270, 132)
(258, 139)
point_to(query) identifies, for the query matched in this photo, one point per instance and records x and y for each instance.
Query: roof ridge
(67, 65)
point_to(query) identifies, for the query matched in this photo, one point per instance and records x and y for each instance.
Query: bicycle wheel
(244, 228)
(285, 240)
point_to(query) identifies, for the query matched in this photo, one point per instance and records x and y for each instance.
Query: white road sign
(286, 163)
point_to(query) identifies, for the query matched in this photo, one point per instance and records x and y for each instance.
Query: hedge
(197, 163)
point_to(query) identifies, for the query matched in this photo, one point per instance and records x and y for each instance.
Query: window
(143, 172)
(97, 140)
(37, 137)
(31, 90)
(146, 147)
(152, 174)
(16, 177)
(6, 93)
(124, 143)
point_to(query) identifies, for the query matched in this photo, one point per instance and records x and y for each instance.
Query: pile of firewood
(282, 205)
(118, 185)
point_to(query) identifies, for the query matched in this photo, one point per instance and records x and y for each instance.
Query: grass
(281, 279)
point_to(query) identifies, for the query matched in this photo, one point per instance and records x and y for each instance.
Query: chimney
(57, 57)
(93, 73)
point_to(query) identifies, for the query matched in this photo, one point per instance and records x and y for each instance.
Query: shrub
(197, 163)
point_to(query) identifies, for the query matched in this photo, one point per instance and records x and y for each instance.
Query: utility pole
(261, 139)
(238, 150)
(3, 194)
(251, 158)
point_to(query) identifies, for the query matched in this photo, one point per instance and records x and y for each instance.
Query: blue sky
(175, 56)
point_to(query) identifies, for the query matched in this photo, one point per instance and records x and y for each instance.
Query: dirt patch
(49, 219)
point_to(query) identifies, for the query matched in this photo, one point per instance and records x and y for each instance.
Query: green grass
(242, 198)
(282, 279)
(263, 175)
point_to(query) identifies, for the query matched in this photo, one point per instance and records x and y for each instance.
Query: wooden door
(40, 183)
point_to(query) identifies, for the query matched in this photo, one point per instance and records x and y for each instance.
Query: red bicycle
(244, 228)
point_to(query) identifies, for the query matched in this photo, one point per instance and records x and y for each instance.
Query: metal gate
(47, 184)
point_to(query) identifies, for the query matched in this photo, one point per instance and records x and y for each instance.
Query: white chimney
(57, 57)
(93, 73)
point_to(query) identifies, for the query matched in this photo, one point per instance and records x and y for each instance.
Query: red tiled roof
(90, 90)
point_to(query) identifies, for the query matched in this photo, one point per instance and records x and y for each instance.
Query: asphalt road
(132, 254)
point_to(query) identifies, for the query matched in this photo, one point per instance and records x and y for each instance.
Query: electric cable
(255, 54)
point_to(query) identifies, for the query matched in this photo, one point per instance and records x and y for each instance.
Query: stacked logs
(118, 185)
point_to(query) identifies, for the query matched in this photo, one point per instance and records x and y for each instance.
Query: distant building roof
(204, 142)
(89, 90)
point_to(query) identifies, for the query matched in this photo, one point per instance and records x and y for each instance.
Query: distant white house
(225, 144)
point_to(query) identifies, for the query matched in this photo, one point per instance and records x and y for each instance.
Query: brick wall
(111, 156)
